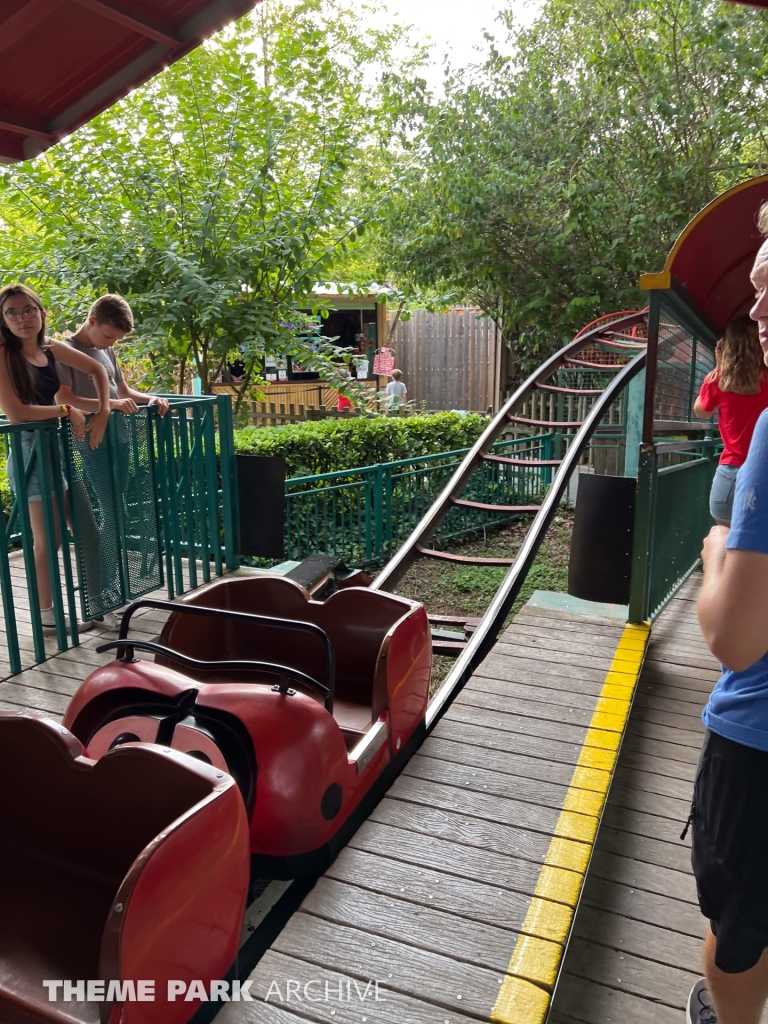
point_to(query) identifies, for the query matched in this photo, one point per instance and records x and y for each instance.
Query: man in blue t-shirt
(729, 813)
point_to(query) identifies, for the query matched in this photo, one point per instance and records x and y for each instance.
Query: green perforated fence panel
(117, 539)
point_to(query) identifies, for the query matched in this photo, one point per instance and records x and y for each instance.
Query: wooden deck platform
(453, 902)
(49, 685)
(636, 947)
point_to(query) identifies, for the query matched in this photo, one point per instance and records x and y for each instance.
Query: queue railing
(154, 505)
(671, 520)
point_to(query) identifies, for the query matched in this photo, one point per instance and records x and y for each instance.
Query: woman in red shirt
(739, 389)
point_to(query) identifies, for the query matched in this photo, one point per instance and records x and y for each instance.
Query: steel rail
(399, 564)
(491, 623)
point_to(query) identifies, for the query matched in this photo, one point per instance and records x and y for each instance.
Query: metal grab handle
(247, 618)
(128, 647)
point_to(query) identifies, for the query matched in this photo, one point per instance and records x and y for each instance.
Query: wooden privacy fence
(450, 360)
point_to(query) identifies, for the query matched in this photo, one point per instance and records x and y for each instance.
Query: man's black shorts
(730, 849)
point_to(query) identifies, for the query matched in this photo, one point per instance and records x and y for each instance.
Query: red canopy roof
(65, 61)
(713, 256)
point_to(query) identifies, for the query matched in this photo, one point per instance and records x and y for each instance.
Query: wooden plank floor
(49, 686)
(461, 884)
(636, 946)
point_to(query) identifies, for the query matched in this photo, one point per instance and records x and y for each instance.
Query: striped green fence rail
(363, 515)
(156, 503)
(671, 520)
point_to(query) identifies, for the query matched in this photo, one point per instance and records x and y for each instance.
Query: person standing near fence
(110, 319)
(738, 388)
(729, 811)
(30, 364)
(397, 393)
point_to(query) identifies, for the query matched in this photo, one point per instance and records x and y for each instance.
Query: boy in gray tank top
(110, 319)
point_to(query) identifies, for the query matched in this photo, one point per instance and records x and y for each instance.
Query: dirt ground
(468, 589)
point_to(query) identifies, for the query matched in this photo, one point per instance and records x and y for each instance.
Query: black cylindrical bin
(601, 545)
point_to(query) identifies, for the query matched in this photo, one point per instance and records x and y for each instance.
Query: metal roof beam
(13, 29)
(131, 19)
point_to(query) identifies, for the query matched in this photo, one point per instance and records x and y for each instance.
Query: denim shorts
(721, 495)
(27, 439)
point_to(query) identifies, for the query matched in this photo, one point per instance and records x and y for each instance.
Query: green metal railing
(671, 520)
(196, 489)
(159, 492)
(364, 514)
(47, 446)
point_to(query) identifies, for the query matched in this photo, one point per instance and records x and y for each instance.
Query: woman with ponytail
(28, 386)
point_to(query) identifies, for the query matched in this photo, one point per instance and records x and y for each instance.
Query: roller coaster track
(613, 337)
(273, 902)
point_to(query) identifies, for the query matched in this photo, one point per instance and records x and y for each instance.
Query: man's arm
(67, 396)
(126, 393)
(69, 356)
(733, 604)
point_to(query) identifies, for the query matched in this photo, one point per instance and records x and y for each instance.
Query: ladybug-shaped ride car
(312, 706)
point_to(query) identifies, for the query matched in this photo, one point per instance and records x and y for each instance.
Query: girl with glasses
(28, 385)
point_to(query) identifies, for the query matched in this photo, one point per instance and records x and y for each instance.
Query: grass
(447, 589)
(467, 590)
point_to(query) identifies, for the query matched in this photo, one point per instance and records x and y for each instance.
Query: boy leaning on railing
(109, 320)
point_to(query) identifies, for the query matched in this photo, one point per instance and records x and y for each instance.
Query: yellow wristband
(64, 411)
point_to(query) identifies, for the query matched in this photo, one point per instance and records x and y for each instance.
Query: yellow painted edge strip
(527, 988)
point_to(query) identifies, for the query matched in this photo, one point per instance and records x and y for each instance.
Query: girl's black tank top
(46, 381)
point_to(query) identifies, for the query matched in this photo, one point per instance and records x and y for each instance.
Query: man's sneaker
(109, 621)
(49, 623)
(700, 1010)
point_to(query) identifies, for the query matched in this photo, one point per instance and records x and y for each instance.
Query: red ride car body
(310, 770)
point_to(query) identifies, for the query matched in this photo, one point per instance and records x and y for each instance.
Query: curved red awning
(712, 259)
(65, 61)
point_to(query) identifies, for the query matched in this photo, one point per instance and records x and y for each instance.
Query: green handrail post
(162, 428)
(546, 454)
(9, 609)
(122, 547)
(58, 490)
(378, 511)
(228, 482)
(204, 500)
(215, 526)
(186, 497)
(173, 492)
(387, 502)
(642, 542)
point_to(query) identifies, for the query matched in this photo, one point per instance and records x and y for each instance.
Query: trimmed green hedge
(325, 446)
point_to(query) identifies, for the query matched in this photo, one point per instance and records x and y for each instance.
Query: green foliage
(541, 187)
(215, 197)
(481, 582)
(329, 445)
(6, 494)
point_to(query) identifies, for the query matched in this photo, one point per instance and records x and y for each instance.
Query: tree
(216, 196)
(543, 186)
